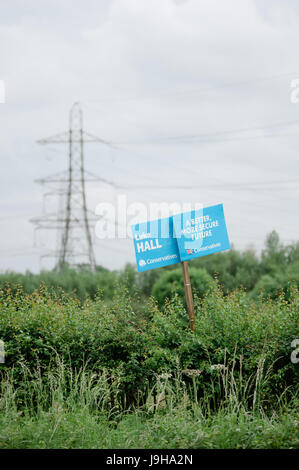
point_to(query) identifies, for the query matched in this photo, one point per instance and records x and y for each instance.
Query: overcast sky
(191, 92)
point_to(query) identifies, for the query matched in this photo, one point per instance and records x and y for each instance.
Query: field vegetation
(109, 365)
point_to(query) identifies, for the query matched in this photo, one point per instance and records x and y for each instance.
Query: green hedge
(80, 282)
(277, 284)
(231, 332)
(171, 282)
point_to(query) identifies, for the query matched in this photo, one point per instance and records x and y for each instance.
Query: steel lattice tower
(73, 221)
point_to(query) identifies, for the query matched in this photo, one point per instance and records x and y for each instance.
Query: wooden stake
(188, 293)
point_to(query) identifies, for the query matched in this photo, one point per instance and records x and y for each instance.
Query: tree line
(267, 274)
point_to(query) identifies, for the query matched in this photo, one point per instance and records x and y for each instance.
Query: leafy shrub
(273, 286)
(172, 282)
(231, 331)
(232, 268)
(80, 282)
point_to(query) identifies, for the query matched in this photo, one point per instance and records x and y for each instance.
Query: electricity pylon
(73, 220)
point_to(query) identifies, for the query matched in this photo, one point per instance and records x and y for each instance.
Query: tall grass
(63, 408)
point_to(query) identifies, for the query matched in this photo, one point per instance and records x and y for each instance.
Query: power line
(234, 131)
(215, 137)
(159, 94)
(231, 186)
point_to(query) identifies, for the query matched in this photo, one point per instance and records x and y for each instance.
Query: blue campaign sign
(181, 237)
(201, 232)
(155, 244)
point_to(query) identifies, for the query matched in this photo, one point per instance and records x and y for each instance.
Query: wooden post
(188, 293)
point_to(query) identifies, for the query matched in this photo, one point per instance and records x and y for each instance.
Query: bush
(232, 333)
(79, 282)
(232, 269)
(277, 284)
(172, 282)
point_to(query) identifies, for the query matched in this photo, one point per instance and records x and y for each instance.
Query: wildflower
(192, 372)
(218, 367)
(165, 376)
